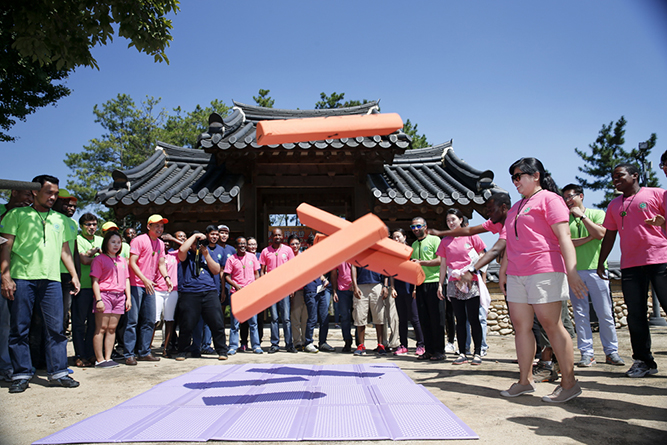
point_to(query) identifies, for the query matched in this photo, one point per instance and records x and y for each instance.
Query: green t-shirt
(84, 246)
(587, 254)
(425, 250)
(38, 242)
(71, 244)
(125, 251)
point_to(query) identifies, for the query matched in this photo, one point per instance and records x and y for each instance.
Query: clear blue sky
(504, 79)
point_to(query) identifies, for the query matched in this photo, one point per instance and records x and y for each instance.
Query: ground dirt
(613, 409)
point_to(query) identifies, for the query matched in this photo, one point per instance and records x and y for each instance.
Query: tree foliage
(263, 99)
(131, 135)
(606, 152)
(335, 100)
(418, 140)
(42, 41)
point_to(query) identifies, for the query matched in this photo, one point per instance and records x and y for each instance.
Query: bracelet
(98, 301)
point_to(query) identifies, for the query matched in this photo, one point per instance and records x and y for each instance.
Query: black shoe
(291, 349)
(65, 382)
(19, 386)
(273, 349)
(325, 347)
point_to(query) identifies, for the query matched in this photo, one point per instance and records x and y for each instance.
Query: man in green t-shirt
(428, 305)
(587, 233)
(30, 264)
(66, 204)
(83, 318)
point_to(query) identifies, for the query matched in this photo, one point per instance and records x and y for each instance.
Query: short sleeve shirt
(272, 258)
(344, 276)
(426, 249)
(84, 246)
(196, 276)
(38, 242)
(588, 253)
(171, 261)
(111, 273)
(242, 269)
(457, 251)
(148, 253)
(532, 246)
(641, 243)
(71, 245)
(492, 227)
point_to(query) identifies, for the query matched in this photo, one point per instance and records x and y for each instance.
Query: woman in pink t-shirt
(458, 254)
(110, 279)
(535, 273)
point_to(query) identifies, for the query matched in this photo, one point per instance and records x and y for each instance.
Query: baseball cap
(64, 194)
(109, 226)
(157, 219)
(222, 227)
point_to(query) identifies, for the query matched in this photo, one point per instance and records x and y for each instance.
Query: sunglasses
(90, 224)
(416, 226)
(517, 176)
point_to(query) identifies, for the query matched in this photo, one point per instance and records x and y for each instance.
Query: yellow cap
(157, 219)
(109, 225)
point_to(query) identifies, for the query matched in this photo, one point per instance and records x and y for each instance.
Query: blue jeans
(318, 311)
(6, 369)
(598, 290)
(281, 311)
(140, 323)
(45, 296)
(234, 332)
(345, 311)
(83, 324)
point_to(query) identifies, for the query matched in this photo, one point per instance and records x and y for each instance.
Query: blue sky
(502, 79)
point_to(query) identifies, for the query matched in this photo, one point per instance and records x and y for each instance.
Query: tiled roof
(239, 129)
(434, 175)
(172, 175)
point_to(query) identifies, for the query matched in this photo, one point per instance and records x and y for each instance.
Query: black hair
(87, 217)
(293, 237)
(576, 188)
(251, 238)
(107, 237)
(663, 158)
(532, 166)
(402, 232)
(501, 198)
(632, 169)
(310, 240)
(210, 228)
(46, 178)
(193, 232)
(457, 212)
(420, 217)
(241, 237)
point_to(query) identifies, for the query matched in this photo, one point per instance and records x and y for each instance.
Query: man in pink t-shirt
(272, 257)
(637, 217)
(147, 263)
(341, 280)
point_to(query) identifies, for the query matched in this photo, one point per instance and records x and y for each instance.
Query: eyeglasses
(569, 197)
(416, 226)
(517, 176)
(90, 224)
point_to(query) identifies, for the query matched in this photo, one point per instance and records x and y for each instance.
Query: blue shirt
(195, 274)
(365, 276)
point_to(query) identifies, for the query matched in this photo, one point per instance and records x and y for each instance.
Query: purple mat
(275, 403)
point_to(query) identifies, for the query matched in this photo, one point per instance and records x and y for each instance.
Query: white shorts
(538, 289)
(165, 305)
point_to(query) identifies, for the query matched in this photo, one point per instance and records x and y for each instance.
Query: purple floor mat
(275, 403)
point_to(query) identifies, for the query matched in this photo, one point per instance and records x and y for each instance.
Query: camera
(202, 242)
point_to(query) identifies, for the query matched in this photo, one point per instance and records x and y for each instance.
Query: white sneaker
(450, 349)
(311, 348)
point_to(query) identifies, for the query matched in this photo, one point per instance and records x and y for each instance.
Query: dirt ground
(613, 409)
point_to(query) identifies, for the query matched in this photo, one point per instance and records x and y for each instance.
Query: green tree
(336, 101)
(418, 140)
(183, 128)
(263, 99)
(42, 41)
(606, 152)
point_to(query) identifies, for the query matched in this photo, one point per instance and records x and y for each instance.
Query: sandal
(424, 356)
(437, 358)
(80, 363)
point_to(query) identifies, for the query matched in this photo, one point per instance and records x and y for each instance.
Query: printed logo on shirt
(219, 256)
(468, 246)
(526, 210)
(284, 256)
(56, 226)
(642, 205)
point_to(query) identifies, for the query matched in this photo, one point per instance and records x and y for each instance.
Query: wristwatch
(472, 270)
(583, 217)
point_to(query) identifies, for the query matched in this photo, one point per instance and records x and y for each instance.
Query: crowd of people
(116, 289)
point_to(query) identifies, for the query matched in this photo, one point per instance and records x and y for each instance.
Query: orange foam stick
(385, 264)
(329, 224)
(332, 127)
(307, 266)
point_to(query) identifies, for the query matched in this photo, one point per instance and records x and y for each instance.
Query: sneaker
(381, 351)
(402, 350)
(299, 348)
(273, 349)
(420, 350)
(311, 348)
(208, 350)
(586, 361)
(450, 348)
(180, 356)
(258, 351)
(614, 359)
(461, 360)
(483, 352)
(18, 386)
(231, 352)
(361, 350)
(544, 373)
(517, 389)
(291, 349)
(106, 364)
(561, 394)
(325, 347)
(222, 356)
(347, 347)
(640, 369)
(476, 360)
(65, 382)
(243, 348)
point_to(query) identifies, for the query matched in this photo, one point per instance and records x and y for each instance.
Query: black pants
(635, 283)
(428, 307)
(448, 312)
(467, 311)
(192, 306)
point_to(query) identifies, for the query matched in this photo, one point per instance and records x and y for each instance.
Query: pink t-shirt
(148, 254)
(641, 243)
(242, 269)
(272, 258)
(171, 261)
(495, 228)
(112, 274)
(344, 276)
(456, 251)
(532, 246)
